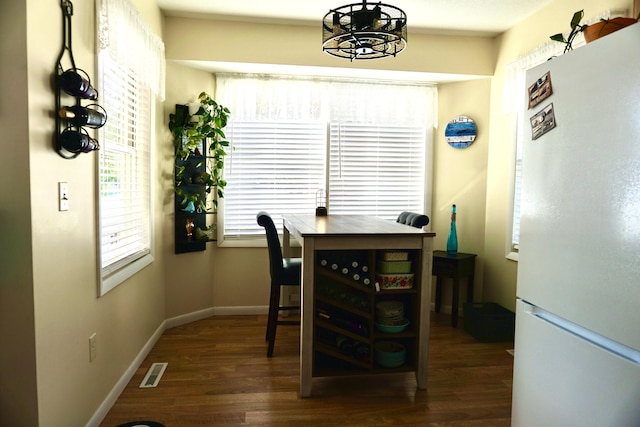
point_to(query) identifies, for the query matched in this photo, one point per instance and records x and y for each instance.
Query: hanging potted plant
(200, 131)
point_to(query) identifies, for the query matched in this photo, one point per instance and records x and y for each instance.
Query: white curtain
(256, 97)
(131, 42)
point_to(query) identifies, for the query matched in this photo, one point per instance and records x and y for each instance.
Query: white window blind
(363, 143)
(376, 169)
(273, 166)
(124, 168)
(130, 72)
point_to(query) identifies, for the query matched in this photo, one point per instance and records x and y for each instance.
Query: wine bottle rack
(72, 139)
(345, 309)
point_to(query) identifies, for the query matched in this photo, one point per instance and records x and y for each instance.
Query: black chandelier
(356, 31)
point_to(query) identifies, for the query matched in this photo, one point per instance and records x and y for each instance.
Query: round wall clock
(461, 132)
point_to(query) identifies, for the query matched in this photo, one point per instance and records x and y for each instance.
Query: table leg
(286, 243)
(454, 303)
(306, 317)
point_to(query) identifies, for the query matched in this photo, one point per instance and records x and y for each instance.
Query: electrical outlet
(92, 347)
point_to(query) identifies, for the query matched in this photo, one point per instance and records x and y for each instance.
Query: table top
(458, 255)
(347, 225)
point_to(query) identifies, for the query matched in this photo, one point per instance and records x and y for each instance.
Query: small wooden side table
(454, 267)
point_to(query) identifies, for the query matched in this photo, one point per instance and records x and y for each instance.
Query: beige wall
(196, 39)
(48, 285)
(18, 386)
(188, 277)
(460, 175)
(499, 272)
(48, 291)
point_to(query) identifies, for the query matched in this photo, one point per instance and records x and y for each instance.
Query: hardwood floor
(218, 375)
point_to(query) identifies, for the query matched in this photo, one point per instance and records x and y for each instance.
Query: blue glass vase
(452, 239)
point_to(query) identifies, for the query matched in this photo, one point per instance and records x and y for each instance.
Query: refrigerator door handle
(630, 354)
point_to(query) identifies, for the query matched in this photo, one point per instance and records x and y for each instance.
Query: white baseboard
(115, 392)
(113, 395)
(215, 311)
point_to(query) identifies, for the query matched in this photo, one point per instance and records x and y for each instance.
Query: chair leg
(268, 330)
(272, 321)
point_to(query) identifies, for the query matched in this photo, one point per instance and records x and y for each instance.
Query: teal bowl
(392, 329)
(389, 354)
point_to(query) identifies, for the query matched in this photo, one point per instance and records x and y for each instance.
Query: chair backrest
(413, 219)
(273, 242)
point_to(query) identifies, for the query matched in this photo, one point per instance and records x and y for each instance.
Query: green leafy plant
(575, 29)
(203, 130)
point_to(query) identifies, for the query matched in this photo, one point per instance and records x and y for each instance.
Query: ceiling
(483, 18)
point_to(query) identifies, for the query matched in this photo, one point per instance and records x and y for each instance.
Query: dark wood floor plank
(218, 375)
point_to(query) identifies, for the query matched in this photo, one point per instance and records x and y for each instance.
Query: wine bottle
(77, 141)
(83, 116)
(345, 345)
(362, 352)
(76, 85)
(452, 239)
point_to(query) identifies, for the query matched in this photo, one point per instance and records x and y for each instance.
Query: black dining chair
(284, 272)
(413, 219)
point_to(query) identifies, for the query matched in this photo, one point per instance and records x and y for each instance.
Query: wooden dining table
(358, 233)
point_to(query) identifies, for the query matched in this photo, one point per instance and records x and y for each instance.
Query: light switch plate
(63, 196)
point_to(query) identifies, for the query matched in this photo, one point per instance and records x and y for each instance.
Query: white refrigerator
(577, 340)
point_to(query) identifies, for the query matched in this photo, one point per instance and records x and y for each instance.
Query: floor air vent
(153, 375)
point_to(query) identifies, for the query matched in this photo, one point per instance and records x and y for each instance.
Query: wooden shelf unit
(355, 302)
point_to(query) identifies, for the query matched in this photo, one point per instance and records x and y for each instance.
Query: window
(364, 144)
(276, 166)
(124, 170)
(376, 169)
(124, 165)
(514, 104)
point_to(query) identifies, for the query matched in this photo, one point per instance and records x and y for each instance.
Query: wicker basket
(395, 256)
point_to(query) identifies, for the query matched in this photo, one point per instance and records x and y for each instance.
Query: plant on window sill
(203, 129)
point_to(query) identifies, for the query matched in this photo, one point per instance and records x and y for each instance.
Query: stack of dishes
(390, 317)
(393, 270)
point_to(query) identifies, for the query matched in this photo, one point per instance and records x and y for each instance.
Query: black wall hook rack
(71, 139)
